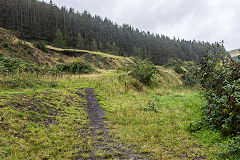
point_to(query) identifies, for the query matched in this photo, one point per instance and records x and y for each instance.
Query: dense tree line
(68, 28)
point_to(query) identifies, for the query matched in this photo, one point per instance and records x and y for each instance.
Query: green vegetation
(187, 70)
(13, 65)
(164, 133)
(40, 45)
(80, 41)
(174, 109)
(149, 107)
(142, 70)
(42, 126)
(59, 40)
(17, 73)
(75, 68)
(221, 80)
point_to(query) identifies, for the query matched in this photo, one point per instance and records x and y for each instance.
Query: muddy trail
(103, 146)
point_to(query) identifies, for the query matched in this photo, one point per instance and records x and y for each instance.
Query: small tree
(94, 46)
(114, 48)
(80, 42)
(108, 47)
(59, 40)
(137, 52)
(142, 70)
(100, 46)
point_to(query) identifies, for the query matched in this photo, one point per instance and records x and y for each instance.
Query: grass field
(155, 119)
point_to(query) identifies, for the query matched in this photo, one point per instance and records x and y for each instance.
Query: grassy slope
(97, 59)
(235, 53)
(28, 132)
(163, 134)
(13, 47)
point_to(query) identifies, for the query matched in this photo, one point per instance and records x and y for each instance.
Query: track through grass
(163, 134)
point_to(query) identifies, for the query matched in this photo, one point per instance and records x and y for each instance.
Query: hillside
(11, 46)
(106, 113)
(45, 21)
(235, 53)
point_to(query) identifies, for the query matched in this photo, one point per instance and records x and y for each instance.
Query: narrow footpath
(103, 146)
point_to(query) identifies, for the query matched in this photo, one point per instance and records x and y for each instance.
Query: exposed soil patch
(104, 147)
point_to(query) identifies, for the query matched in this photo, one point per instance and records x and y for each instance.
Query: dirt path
(103, 146)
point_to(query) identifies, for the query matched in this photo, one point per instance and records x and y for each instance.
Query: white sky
(204, 20)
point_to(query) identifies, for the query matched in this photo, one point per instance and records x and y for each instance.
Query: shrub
(221, 80)
(142, 70)
(12, 65)
(231, 150)
(187, 70)
(41, 45)
(5, 44)
(75, 67)
(29, 51)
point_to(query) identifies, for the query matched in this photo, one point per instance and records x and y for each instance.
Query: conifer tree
(100, 46)
(59, 41)
(137, 52)
(80, 42)
(94, 46)
(114, 49)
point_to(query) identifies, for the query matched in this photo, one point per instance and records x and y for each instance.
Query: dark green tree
(80, 42)
(59, 41)
(94, 46)
(137, 52)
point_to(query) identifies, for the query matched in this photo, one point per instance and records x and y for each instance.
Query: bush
(5, 44)
(187, 70)
(41, 45)
(29, 51)
(231, 150)
(75, 68)
(221, 80)
(142, 70)
(13, 65)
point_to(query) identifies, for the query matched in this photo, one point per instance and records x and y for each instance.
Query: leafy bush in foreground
(221, 80)
(142, 70)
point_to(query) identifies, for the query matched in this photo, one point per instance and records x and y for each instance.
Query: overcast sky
(205, 20)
